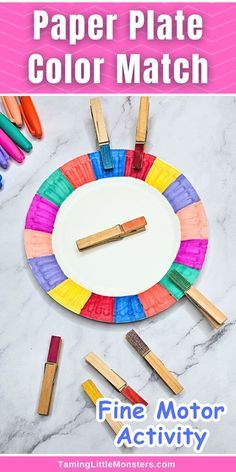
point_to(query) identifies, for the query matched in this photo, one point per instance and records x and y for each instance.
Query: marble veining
(194, 134)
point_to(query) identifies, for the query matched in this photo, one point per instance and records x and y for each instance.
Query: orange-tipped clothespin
(112, 234)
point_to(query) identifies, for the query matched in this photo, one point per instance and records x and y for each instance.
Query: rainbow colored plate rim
(60, 184)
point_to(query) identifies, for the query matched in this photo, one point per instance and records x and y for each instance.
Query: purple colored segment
(41, 215)
(47, 272)
(4, 157)
(181, 193)
(192, 253)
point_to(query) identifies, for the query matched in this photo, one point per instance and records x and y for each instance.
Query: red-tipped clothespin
(141, 132)
(50, 370)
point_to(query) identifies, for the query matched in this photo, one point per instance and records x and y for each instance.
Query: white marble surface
(197, 135)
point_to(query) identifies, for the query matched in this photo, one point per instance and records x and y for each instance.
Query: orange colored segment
(135, 224)
(37, 243)
(155, 299)
(193, 222)
(79, 171)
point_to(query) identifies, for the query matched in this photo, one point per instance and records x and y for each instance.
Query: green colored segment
(56, 188)
(14, 133)
(187, 272)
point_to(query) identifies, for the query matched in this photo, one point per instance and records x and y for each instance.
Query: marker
(14, 133)
(13, 110)
(31, 117)
(10, 147)
(4, 157)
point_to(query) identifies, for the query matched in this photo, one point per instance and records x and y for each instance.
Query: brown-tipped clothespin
(141, 132)
(49, 375)
(112, 234)
(101, 132)
(139, 345)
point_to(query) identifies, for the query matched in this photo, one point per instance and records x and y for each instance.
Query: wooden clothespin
(118, 382)
(101, 132)
(113, 234)
(50, 370)
(94, 394)
(139, 345)
(141, 132)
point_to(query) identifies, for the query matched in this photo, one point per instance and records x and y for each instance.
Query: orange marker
(30, 116)
(13, 110)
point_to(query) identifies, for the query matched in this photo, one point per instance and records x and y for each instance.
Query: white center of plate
(130, 265)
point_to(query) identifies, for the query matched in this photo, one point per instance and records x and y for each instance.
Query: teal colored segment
(56, 188)
(187, 272)
(14, 133)
(128, 309)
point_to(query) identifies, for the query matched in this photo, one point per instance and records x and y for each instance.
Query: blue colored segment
(181, 194)
(0, 182)
(119, 158)
(47, 272)
(106, 156)
(128, 309)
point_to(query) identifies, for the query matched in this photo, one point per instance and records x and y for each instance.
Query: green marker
(14, 133)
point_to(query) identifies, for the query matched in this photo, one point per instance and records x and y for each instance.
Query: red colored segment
(99, 308)
(141, 174)
(79, 171)
(54, 349)
(133, 396)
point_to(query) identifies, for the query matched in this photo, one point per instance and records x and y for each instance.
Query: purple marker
(4, 157)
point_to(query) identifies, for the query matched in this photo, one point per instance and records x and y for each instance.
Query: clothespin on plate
(50, 370)
(112, 234)
(101, 132)
(141, 132)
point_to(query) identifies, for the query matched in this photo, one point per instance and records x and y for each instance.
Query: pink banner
(111, 463)
(194, 52)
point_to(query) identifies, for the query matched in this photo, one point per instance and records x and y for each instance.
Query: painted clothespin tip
(112, 234)
(50, 370)
(141, 133)
(101, 133)
(1, 182)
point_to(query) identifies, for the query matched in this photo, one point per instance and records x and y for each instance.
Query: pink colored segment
(54, 349)
(141, 174)
(37, 243)
(192, 253)
(193, 222)
(79, 171)
(155, 299)
(99, 308)
(41, 215)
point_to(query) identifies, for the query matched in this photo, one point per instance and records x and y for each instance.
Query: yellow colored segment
(70, 295)
(161, 175)
(92, 391)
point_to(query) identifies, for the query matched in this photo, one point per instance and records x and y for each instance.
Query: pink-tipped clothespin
(141, 132)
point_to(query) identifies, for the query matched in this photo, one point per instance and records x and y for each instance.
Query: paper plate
(122, 281)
